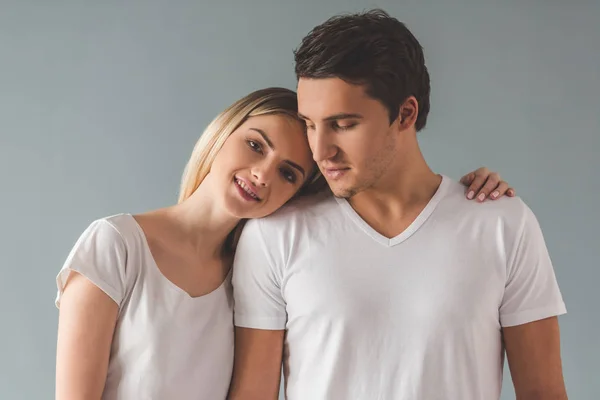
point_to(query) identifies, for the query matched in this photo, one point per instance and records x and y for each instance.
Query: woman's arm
(85, 330)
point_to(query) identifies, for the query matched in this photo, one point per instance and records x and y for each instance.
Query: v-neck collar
(410, 230)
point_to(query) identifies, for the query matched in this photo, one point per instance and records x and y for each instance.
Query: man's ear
(407, 115)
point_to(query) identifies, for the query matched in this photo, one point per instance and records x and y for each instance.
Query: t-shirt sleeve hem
(63, 276)
(276, 324)
(532, 315)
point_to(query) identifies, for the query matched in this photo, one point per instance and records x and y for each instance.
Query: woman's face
(262, 165)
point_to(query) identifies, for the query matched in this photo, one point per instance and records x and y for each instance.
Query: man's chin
(343, 188)
(343, 193)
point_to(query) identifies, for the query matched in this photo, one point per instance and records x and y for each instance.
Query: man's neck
(399, 196)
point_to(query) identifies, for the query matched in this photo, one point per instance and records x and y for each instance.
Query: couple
(395, 287)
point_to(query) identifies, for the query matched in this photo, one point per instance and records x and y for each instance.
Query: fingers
(467, 179)
(500, 190)
(479, 179)
(483, 184)
(490, 185)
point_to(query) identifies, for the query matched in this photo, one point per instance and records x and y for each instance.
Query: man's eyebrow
(270, 144)
(335, 117)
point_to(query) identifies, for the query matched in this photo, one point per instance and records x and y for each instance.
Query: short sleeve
(100, 255)
(531, 290)
(259, 303)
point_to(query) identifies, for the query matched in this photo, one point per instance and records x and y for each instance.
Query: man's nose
(321, 145)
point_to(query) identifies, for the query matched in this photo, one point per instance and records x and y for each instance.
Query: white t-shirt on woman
(166, 344)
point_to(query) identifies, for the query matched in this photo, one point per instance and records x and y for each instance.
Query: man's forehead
(330, 86)
(318, 97)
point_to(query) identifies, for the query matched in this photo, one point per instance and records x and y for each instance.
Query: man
(398, 287)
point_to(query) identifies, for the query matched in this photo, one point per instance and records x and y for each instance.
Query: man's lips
(334, 172)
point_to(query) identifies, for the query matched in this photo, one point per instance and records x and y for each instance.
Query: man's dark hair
(371, 49)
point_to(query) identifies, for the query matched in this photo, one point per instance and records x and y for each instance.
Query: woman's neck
(201, 224)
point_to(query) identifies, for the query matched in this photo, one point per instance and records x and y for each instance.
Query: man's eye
(344, 127)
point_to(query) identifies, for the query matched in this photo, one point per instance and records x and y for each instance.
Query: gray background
(102, 101)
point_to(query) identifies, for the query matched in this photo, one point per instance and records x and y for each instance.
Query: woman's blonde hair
(261, 102)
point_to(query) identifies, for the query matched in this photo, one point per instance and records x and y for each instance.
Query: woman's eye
(288, 175)
(255, 146)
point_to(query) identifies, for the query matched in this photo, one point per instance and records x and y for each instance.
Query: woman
(145, 300)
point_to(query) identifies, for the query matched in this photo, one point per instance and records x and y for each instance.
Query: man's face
(349, 133)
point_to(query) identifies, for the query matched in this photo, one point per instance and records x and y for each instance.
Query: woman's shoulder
(104, 254)
(118, 229)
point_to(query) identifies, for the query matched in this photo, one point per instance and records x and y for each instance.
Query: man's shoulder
(512, 211)
(293, 217)
(302, 208)
(280, 232)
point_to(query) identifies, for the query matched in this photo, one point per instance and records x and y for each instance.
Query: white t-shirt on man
(166, 344)
(417, 316)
